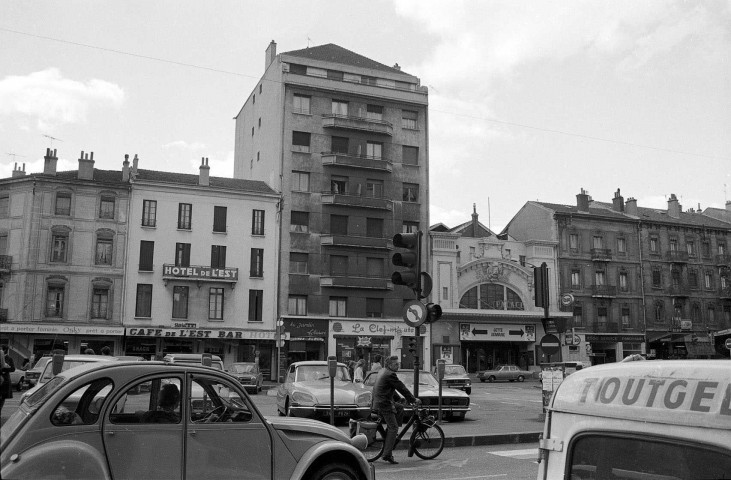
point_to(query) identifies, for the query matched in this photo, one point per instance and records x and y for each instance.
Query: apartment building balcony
(724, 293)
(601, 254)
(679, 290)
(723, 259)
(360, 201)
(351, 241)
(676, 256)
(3, 315)
(357, 161)
(6, 262)
(603, 291)
(200, 273)
(360, 124)
(349, 281)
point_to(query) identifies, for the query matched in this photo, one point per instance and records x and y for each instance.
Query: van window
(597, 456)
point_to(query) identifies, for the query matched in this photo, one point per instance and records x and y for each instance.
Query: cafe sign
(219, 334)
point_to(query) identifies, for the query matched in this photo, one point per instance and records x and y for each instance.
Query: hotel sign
(200, 273)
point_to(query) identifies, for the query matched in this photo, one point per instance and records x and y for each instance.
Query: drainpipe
(642, 281)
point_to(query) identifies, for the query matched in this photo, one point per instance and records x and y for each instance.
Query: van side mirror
(57, 361)
(207, 359)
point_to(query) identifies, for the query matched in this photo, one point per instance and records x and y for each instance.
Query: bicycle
(426, 441)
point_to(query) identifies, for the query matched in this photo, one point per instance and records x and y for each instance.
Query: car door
(225, 437)
(139, 445)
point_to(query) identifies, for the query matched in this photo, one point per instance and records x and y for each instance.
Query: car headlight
(364, 399)
(302, 398)
(468, 382)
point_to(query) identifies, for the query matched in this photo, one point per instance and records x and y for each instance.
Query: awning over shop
(700, 347)
(668, 337)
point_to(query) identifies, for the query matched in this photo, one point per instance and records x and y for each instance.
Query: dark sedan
(248, 374)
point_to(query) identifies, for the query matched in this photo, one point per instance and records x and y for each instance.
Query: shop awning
(700, 347)
(668, 337)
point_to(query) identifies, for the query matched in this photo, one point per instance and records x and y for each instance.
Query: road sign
(414, 313)
(550, 344)
(728, 343)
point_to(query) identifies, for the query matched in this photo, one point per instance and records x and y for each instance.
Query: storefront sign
(200, 272)
(184, 325)
(201, 333)
(364, 342)
(496, 332)
(614, 338)
(373, 328)
(306, 329)
(61, 329)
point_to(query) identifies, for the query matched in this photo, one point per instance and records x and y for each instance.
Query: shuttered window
(147, 252)
(219, 219)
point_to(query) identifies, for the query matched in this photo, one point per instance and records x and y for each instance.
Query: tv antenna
(52, 138)
(14, 155)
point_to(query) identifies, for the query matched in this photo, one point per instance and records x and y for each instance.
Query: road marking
(516, 453)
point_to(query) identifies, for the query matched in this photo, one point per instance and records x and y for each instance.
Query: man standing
(8, 365)
(387, 384)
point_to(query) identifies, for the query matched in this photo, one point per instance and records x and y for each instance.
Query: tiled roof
(336, 54)
(102, 176)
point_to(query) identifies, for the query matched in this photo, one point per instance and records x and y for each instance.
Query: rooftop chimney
(728, 202)
(631, 206)
(582, 201)
(397, 66)
(204, 170)
(125, 168)
(618, 202)
(133, 174)
(271, 54)
(674, 208)
(49, 162)
(18, 172)
(86, 166)
(474, 220)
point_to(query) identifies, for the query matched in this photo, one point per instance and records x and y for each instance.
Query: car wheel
(337, 471)
(491, 378)
(468, 390)
(521, 378)
(258, 388)
(286, 409)
(482, 380)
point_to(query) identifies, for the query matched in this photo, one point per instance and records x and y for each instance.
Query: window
(656, 277)
(55, 301)
(598, 242)
(374, 307)
(338, 306)
(335, 75)
(60, 247)
(601, 316)
(623, 286)
(706, 248)
(721, 248)
(600, 278)
(469, 299)
(215, 303)
(147, 252)
(410, 155)
(374, 227)
(625, 316)
(260, 87)
(366, 80)
(180, 302)
(675, 277)
(63, 204)
(149, 213)
(218, 256)
(143, 305)
(374, 267)
(695, 314)
(339, 107)
(659, 312)
(219, 219)
(693, 278)
(374, 112)
(300, 181)
(411, 192)
(622, 245)
(4, 206)
(374, 150)
(574, 242)
(690, 247)
(298, 305)
(409, 119)
(410, 227)
(99, 302)
(653, 245)
(182, 254)
(300, 222)
(106, 207)
(301, 104)
(297, 69)
(104, 250)
(673, 244)
(338, 225)
(301, 142)
(578, 315)
(257, 222)
(338, 265)
(374, 188)
(81, 405)
(445, 293)
(298, 262)
(257, 262)
(711, 315)
(708, 280)
(185, 213)
(339, 145)
(339, 185)
(256, 300)
(159, 399)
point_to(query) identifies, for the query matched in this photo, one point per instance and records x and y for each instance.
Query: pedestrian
(106, 350)
(89, 351)
(386, 386)
(26, 364)
(376, 365)
(358, 371)
(8, 365)
(351, 369)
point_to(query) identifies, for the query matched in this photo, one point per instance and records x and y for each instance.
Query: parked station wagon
(504, 372)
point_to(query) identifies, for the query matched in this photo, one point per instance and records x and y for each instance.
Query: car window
(67, 364)
(83, 405)
(213, 400)
(44, 392)
(155, 400)
(370, 380)
(243, 368)
(309, 373)
(454, 370)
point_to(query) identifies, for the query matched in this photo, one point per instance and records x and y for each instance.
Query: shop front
(612, 347)
(307, 340)
(34, 340)
(485, 345)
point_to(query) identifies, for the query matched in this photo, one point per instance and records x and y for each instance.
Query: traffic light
(411, 259)
(540, 284)
(280, 333)
(412, 345)
(433, 312)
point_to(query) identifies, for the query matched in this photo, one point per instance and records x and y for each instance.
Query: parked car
(504, 372)
(305, 392)
(193, 359)
(69, 361)
(17, 379)
(90, 422)
(455, 376)
(455, 403)
(32, 375)
(248, 374)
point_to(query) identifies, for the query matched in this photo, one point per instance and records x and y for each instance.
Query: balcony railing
(607, 291)
(601, 254)
(357, 161)
(723, 259)
(725, 292)
(3, 314)
(373, 283)
(347, 122)
(354, 241)
(679, 290)
(6, 262)
(357, 201)
(677, 256)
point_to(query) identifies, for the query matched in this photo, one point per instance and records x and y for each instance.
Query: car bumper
(318, 411)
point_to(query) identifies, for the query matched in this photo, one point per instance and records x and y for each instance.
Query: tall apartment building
(345, 140)
(643, 280)
(201, 271)
(63, 237)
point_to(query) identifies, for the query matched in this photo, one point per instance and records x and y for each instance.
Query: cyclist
(387, 384)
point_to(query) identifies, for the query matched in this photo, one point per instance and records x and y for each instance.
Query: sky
(528, 100)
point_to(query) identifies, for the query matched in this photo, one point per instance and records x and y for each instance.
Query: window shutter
(147, 251)
(219, 219)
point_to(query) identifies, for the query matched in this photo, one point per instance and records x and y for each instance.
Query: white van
(647, 420)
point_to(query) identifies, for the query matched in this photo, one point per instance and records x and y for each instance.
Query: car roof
(244, 363)
(190, 356)
(90, 358)
(319, 363)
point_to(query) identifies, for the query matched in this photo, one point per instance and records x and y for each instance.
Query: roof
(337, 54)
(255, 186)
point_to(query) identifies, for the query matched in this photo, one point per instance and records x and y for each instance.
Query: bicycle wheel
(374, 450)
(427, 441)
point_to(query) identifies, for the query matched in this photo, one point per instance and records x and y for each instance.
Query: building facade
(345, 140)
(201, 271)
(484, 283)
(63, 238)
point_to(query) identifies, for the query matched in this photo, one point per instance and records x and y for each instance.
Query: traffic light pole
(417, 333)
